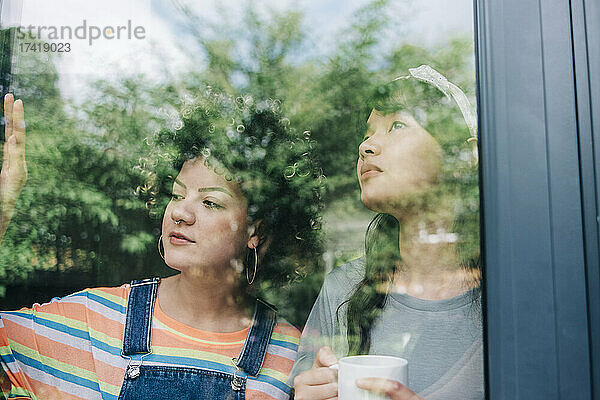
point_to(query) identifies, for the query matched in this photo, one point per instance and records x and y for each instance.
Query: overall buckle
(237, 383)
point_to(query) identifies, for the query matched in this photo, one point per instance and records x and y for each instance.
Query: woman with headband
(416, 293)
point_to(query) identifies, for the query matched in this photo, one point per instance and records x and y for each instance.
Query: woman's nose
(181, 212)
(369, 146)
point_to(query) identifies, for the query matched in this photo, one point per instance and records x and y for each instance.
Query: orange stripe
(197, 333)
(167, 339)
(119, 291)
(73, 311)
(278, 363)
(109, 374)
(286, 329)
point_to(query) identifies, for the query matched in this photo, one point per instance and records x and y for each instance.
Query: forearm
(7, 210)
(4, 221)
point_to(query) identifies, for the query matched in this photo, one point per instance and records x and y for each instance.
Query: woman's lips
(177, 240)
(368, 170)
(370, 173)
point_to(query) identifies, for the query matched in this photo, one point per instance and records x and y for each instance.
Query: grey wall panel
(592, 12)
(565, 201)
(586, 31)
(537, 333)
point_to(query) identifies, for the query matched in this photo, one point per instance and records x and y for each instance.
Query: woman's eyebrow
(215, 189)
(177, 181)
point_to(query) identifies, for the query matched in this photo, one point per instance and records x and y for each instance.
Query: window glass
(321, 156)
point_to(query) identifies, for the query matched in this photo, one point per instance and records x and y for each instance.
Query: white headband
(427, 74)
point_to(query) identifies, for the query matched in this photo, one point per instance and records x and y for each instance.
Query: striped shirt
(70, 348)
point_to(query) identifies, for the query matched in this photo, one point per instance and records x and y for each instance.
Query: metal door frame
(538, 79)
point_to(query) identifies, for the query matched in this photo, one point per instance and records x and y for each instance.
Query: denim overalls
(144, 381)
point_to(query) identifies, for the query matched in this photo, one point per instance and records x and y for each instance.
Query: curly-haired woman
(243, 190)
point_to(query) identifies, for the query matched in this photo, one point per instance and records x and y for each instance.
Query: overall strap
(138, 322)
(255, 348)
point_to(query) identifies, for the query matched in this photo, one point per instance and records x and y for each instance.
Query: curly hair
(252, 143)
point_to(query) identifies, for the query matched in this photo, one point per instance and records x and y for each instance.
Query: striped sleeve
(272, 381)
(46, 352)
(13, 381)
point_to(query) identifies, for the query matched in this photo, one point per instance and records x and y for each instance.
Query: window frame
(539, 190)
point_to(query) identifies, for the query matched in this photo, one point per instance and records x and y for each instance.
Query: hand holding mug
(319, 382)
(383, 377)
(394, 390)
(373, 377)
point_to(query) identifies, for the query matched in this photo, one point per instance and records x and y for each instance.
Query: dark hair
(382, 257)
(459, 180)
(250, 142)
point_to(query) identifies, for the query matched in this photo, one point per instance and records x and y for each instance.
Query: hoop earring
(158, 244)
(255, 266)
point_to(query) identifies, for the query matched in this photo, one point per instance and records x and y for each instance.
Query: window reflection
(381, 92)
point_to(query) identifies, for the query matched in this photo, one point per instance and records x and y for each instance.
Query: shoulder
(350, 272)
(342, 280)
(285, 334)
(114, 296)
(111, 297)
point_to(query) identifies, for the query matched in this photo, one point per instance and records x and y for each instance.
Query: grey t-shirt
(441, 339)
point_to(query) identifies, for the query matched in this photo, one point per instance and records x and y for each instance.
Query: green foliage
(79, 213)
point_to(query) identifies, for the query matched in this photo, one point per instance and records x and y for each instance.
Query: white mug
(370, 366)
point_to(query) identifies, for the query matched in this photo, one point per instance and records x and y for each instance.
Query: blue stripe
(108, 396)
(278, 384)
(57, 326)
(19, 314)
(79, 334)
(23, 359)
(8, 358)
(282, 343)
(110, 304)
(116, 351)
(186, 361)
(101, 300)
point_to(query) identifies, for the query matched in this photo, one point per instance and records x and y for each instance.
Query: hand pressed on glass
(14, 167)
